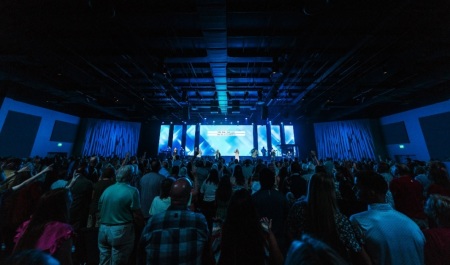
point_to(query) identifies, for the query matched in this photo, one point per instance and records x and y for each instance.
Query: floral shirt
(350, 238)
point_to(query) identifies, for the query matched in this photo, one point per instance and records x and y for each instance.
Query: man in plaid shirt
(177, 236)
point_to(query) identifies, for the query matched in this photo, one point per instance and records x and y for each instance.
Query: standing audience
(243, 239)
(162, 202)
(178, 235)
(319, 216)
(310, 251)
(233, 227)
(437, 246)
(49, 229)
(120, 210)
(408, 195)
(390, 236)
(272, 204)
(150, 185)
(208, 191)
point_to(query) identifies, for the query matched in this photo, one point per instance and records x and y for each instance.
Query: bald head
(180, 191)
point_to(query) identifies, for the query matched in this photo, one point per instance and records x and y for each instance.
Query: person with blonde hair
(236, 154)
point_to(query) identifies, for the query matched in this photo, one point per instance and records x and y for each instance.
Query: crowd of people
(98, 210)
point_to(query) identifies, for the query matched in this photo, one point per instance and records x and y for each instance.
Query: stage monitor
(226, 138)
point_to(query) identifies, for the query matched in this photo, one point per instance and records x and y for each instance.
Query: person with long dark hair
(320, 217)
(440, 183)
(49, 229)
(223, 195)
(238, 179)
(208, 191)
(437, 241)
(243, 239)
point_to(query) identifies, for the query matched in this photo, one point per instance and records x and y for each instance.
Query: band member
(199, 154)
(217, 155)
(195, 151)
(182, 153)
(273, 153)
(175, 152)
(254, 153)
(168, 152)
(263, 151)
(289, 155)
(236, 154)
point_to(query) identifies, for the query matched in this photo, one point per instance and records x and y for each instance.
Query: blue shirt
(391, 237)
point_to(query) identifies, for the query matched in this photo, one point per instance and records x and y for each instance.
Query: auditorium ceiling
(191, 60)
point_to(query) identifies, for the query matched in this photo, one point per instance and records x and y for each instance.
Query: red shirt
(437, 246)
(438, 189)
(408, 196)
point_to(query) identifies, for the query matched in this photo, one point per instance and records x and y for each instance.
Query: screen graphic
(226, 138)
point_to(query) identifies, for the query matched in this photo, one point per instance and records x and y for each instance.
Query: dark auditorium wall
(304, 138)
(32, 131)
(418, 148)
(149, 138)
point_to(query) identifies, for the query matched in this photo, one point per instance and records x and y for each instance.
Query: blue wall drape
(107, 138)
(345, 140)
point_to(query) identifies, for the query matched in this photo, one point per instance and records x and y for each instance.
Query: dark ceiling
(179, 60)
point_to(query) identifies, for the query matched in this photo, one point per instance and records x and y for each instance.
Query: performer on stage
(217, 155)
(182, 153)
(254, 154)
(175, 152)
(263, 151)
(199, 154)
(289, 155)
(195, 151)
(273, 153)
(236, 154)
(168, 153)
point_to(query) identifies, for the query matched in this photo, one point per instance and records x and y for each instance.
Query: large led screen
(289, 136)
(276, 138)
(177, 136)
(164, 138)
(190, 140)
(262, 138)
(226, 138)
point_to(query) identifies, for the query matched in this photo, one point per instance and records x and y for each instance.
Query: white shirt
(159, 205)
(391, 237)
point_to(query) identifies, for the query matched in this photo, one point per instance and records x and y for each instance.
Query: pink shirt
(55, 233)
